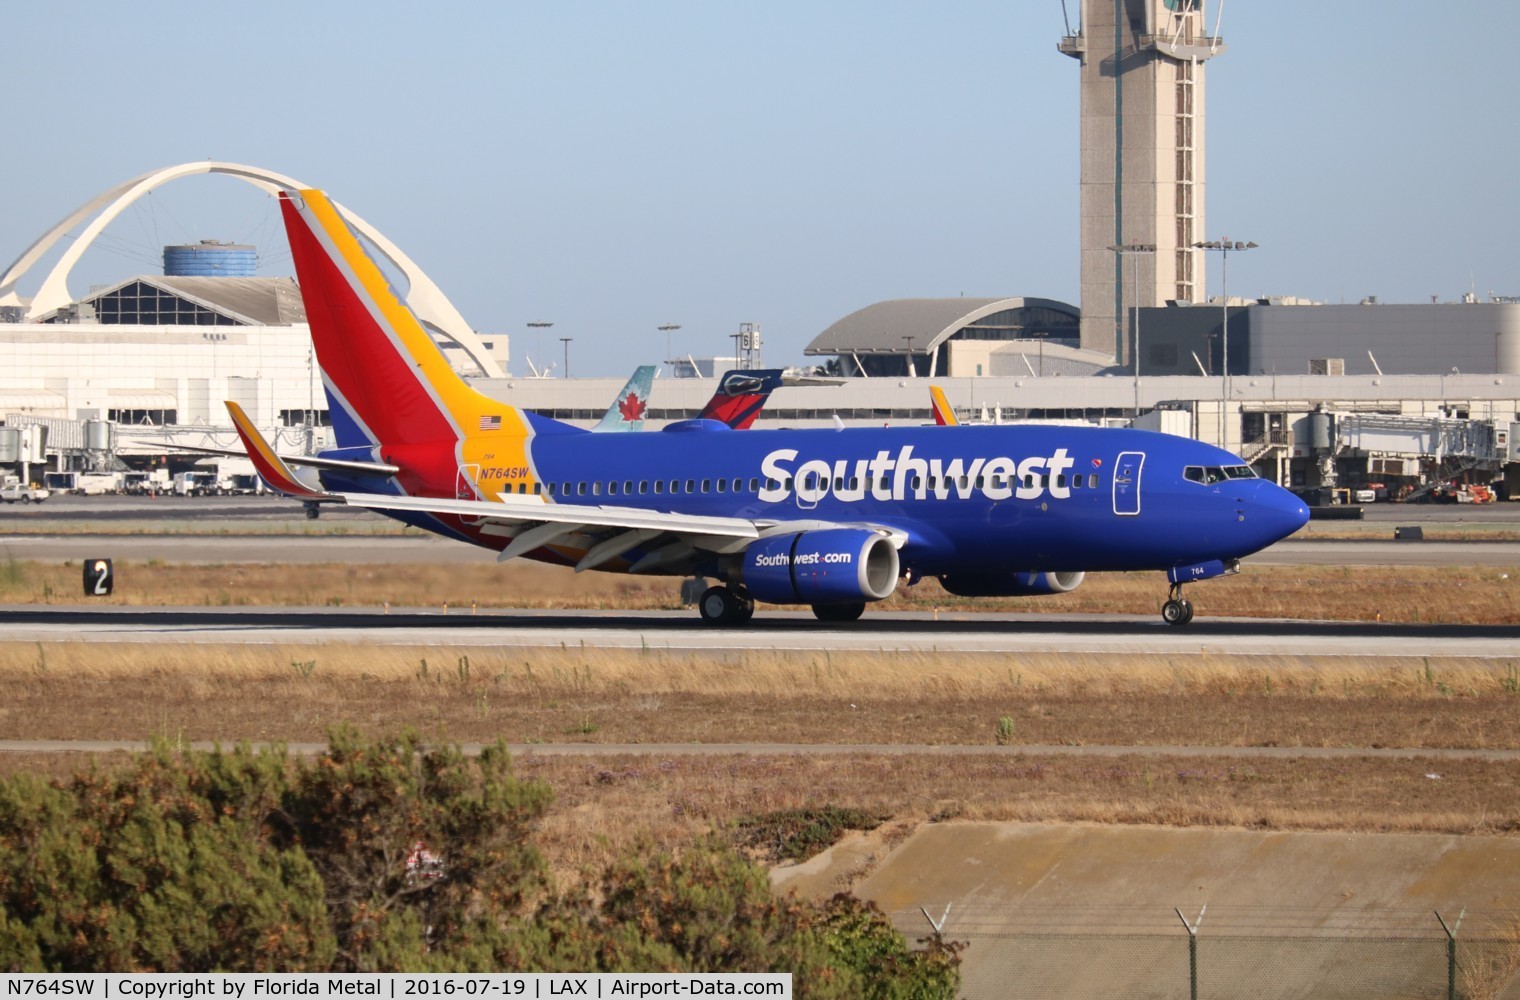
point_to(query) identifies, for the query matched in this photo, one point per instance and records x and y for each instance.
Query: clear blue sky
(611, 167)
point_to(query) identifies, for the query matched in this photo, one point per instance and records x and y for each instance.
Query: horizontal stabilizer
(300, 461)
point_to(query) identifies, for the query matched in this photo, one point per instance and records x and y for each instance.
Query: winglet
(944, 414)
(270, 467)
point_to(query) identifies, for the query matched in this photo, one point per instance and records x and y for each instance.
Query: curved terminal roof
(423, 297)
(917, 326)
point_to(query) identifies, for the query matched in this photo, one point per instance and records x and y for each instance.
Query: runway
(376, 549)
(779, 630)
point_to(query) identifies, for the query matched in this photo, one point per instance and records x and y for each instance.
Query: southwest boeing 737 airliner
(831, 518)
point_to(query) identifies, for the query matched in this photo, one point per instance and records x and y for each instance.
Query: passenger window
(549, 488)
(538, 489)
(915, 484)
(721, 485)
(612, 489)
(1092, 481)
(627, 486)
(659, 486)
(707, 486)
(596, 489)
(691, 486)
(1061, 481)
(754, 485)
(522, 487)
(643, 486)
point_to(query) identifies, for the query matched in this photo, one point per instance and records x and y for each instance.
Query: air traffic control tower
(1142, 157)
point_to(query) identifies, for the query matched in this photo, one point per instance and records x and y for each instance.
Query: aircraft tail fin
(387, 382)
(944, 413)
(627, 412)
(741, 395)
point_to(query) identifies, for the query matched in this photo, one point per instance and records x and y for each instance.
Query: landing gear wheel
(721, 606)
(838, 612)
(1177, 612)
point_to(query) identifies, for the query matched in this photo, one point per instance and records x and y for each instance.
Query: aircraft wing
(672, 542)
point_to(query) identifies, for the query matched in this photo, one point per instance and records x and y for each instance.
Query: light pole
(1135, 250)
(540, 326)
(668, 329)
(1224, 247)
(908, 341)
(566, 342)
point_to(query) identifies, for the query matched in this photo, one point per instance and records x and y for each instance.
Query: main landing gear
(724, 606)
(1177, 610)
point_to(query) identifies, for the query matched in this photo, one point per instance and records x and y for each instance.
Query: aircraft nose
(1273, 513)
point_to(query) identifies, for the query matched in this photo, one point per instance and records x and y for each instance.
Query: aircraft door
(1127, 483)
(467, 487)
(808, 489)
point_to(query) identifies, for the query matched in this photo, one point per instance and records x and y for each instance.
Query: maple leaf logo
(631, 407)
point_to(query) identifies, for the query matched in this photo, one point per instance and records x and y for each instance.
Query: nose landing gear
(1177, 610)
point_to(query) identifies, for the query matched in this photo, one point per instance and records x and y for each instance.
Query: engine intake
(831, 565)
(1007, 583)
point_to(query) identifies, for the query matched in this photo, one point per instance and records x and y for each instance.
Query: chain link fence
(1267, 962)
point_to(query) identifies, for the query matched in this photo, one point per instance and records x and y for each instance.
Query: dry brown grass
(1446, 595)
(626, 696)
(607, 803)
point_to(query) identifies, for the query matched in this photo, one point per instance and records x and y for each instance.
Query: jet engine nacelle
(828, 566)
(1010, 584)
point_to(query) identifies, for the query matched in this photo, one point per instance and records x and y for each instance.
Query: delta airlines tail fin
(741, 395)
(628, 411)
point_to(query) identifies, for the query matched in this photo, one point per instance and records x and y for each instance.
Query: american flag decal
(490, 423)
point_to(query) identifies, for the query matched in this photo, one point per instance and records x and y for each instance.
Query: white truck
(13, 490)
(196, 484)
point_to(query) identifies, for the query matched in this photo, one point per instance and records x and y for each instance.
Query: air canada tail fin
(387, 382)
(628, 411)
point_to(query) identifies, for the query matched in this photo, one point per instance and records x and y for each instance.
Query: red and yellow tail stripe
(944, 413)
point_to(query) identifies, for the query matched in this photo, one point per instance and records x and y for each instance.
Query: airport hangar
(1316, 395)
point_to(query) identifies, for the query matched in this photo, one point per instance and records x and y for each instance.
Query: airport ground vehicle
(13, 490)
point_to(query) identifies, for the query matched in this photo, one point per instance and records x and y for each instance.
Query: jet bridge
(1440, 438)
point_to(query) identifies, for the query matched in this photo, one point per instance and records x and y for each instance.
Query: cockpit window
(1211, 474)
